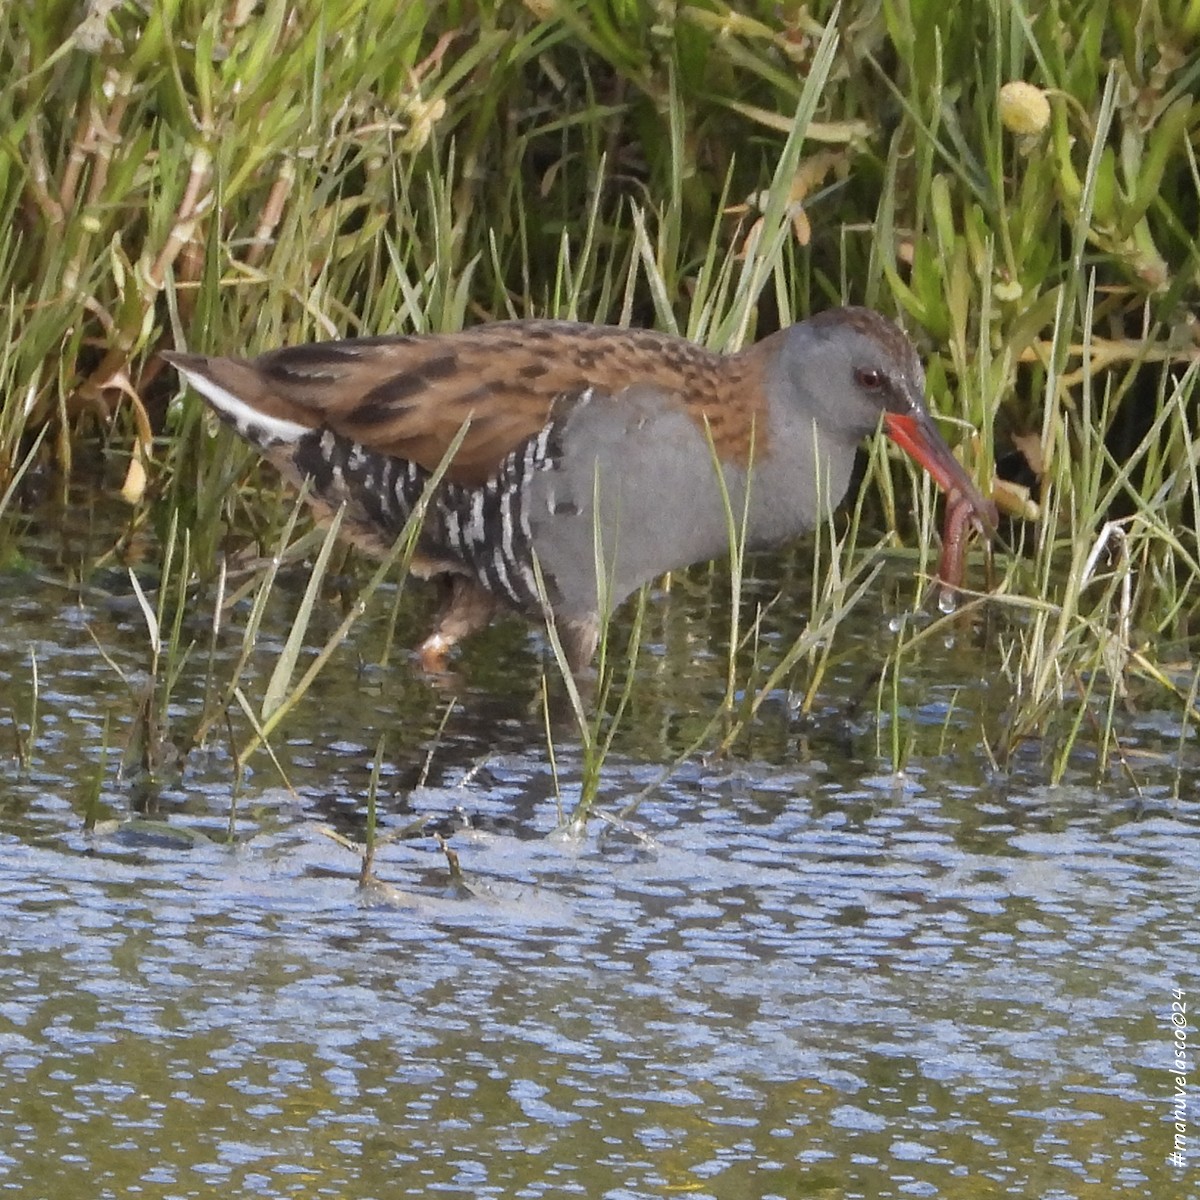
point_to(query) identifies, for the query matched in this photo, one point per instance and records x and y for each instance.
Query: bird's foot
(433, 652)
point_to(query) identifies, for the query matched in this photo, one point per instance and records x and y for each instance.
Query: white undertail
(254, 425)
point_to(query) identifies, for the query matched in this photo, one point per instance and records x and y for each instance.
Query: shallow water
(793, 972)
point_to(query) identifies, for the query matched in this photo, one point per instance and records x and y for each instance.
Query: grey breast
(635, 492)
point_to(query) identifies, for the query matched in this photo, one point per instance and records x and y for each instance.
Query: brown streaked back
(408, 396)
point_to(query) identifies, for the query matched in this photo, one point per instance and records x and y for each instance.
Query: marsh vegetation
(242, 176)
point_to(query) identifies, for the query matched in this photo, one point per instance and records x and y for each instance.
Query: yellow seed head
(1024, 108)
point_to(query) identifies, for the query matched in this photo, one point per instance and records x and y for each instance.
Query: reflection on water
(788, 975)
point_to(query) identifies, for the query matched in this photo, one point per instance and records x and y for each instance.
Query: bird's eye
(869, 378)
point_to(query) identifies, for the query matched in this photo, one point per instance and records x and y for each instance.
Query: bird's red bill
(917, 434)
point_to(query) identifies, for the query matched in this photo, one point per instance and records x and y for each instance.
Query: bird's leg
(579, 639)
(467, 608)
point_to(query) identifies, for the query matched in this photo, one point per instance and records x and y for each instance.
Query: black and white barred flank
(484, 528)
(488, 528)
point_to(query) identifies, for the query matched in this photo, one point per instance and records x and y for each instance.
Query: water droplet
(946, 601)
